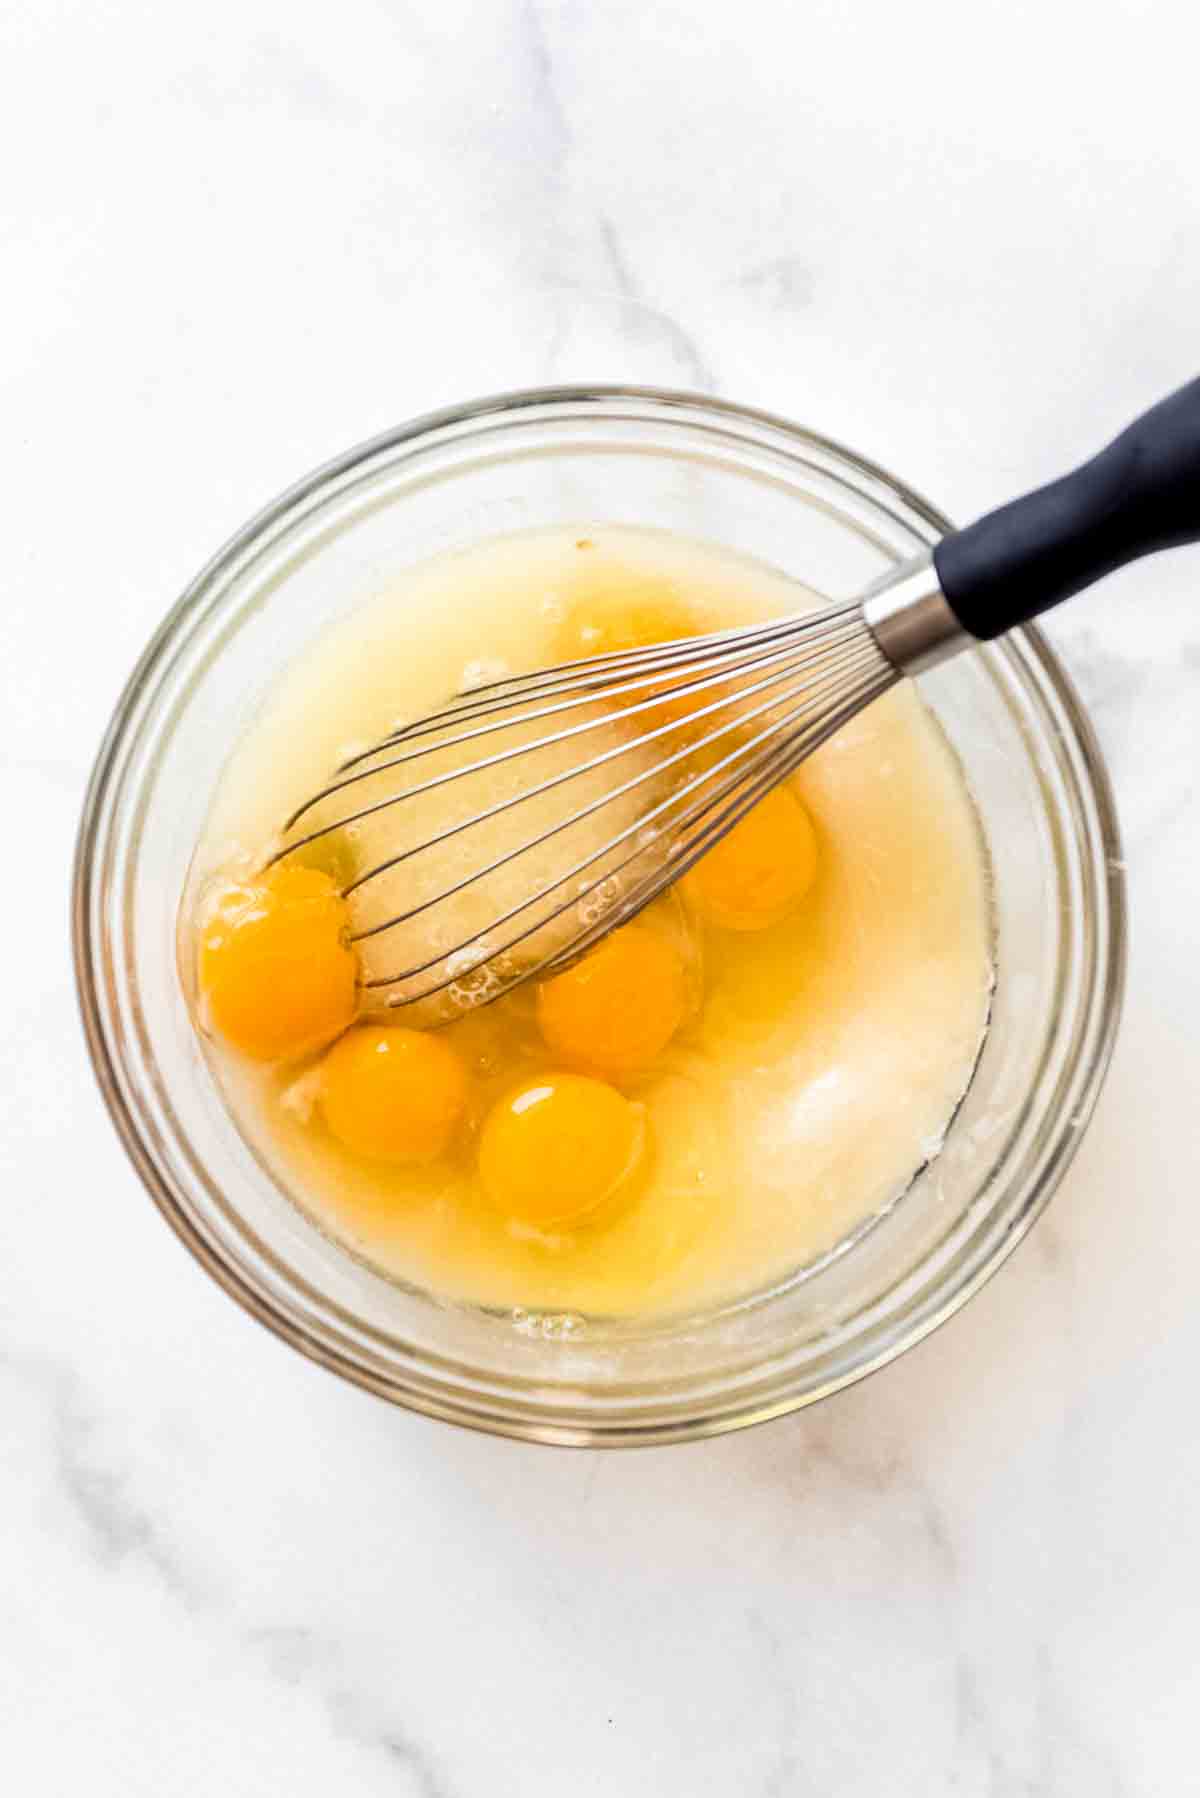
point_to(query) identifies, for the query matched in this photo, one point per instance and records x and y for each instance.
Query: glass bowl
(767, 489)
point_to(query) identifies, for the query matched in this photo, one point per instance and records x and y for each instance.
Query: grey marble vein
(652, 320)
(785, 1777)
(116, 1526)
(301, 1658)
(554, 137)
(122, 1530)
(785, 281)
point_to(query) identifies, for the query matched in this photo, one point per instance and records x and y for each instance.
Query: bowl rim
(1102, 1011)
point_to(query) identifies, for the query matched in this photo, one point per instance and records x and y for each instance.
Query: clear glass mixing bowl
(767, 489)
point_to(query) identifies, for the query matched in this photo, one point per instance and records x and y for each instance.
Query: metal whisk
(499, 837)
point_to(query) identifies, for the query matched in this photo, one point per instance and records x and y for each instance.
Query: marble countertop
(239, 237)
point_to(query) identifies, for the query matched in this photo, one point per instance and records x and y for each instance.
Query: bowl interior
(766, 490)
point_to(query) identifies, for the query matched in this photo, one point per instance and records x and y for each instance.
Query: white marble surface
(237, 237)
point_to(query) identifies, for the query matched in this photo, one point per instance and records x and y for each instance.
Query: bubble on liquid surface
(481, 672)
(550, 1326)
(596, 904)
(473, 989)
(464, 960)
(300, 1098)
(478, 978)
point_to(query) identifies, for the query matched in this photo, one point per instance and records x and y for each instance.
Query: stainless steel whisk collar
(910, 617)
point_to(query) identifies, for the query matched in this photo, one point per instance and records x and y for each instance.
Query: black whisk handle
(1140, 494)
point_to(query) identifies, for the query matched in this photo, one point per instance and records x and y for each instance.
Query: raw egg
(557, 1147)
(392, 1094)
(619, 1006)
(758, 873)
(275, 967)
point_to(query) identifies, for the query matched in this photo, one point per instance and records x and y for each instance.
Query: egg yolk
(555, 1149)
(619, 1006)
(596, 626)
(760, 871)
(607, 619)
(393, 1094)
(275, 966)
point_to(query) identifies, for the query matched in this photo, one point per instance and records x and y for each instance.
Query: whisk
(497, 838)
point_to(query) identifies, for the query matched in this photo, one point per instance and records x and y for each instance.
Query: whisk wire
(791, 756)
(598, 671)
(435, 725)
(581, 894)
(798, 744)
(682, 754)
(455, 775)
(791, 683)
